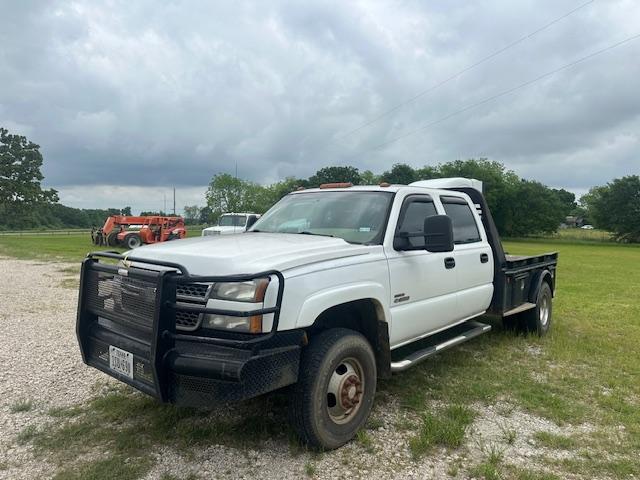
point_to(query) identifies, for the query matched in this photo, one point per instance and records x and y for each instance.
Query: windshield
(357, 216)
(232, 221)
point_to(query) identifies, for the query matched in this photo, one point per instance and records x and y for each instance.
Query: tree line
(520, 207)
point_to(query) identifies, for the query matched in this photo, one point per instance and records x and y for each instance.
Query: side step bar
(520, 308)
(472, 329)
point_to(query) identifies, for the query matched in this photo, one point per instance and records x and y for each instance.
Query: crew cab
(331, 290)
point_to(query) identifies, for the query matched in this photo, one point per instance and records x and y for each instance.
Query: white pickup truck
(332, 289)
(230, 223)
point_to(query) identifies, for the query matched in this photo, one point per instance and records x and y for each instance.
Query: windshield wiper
(307, 232)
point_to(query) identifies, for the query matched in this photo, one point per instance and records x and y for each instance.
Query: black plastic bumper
(133, 309)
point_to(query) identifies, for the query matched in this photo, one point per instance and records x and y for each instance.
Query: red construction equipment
(131, 232)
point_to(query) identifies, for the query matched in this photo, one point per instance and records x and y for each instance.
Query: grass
(584, 372)
(115, 466)
(491, 467)
(365, 440)
(62, 248)
(21, 406)
(446, 428)
(580, 235)
(555, 441)
(309, 469)
(27, 435)
(127, 425)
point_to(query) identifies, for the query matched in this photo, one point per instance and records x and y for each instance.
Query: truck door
(423, 288)
(472, 255)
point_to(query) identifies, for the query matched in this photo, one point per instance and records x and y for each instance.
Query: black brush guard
(134, 308)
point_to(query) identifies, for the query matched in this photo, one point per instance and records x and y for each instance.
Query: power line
(506, 92)
(464, 70)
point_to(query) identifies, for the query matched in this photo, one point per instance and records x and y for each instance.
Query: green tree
(534, 208)
(616, 207)
(369, 178)
(279, 189)
(229, 194)
(427, 173)
(499, 185)
(21, 192)
(567, 199)
(401, 174)
(334, 175)
(191, 214)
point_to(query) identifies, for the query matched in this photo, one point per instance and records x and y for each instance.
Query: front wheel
(132, 241)
(334, 394)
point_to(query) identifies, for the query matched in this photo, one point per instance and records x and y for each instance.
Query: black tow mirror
(438, 234)
(250, 221)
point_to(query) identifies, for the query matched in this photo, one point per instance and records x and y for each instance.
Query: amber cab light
(336, 185)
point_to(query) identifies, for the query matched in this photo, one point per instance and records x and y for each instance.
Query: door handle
(449, 262)
(484, 258)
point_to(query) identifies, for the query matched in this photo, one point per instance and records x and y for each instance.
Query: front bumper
(133, 309)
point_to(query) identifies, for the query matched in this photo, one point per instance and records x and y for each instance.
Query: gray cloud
(149, 95)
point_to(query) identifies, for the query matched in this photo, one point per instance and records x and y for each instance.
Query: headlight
(251, 324)
(251, 292)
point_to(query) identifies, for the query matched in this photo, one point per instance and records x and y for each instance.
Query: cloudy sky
(128, 99)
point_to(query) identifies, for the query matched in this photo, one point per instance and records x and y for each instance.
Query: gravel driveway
(40, 362)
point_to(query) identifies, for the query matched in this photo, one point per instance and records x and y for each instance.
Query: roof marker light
(336, 185)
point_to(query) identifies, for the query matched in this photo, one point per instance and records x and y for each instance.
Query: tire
(132, 241)
(538, 319)
(337, 367)
(112, 239)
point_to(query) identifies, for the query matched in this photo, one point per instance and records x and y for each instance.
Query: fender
(536, 283)
(320, 301)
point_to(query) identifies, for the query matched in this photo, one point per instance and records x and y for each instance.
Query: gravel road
(40, 362)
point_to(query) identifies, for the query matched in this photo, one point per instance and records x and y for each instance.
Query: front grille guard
(162, 337)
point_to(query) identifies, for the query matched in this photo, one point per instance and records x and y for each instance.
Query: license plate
(121, 361)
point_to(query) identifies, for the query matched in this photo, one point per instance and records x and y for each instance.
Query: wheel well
(539, 279)
(365, 316)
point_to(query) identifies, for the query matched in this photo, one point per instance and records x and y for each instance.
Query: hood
(249, 252)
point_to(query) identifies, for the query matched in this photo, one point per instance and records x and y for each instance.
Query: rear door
(472, 255)
(423, 289)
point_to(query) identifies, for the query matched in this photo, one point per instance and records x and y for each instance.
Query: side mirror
(438, 234)
(250, 221)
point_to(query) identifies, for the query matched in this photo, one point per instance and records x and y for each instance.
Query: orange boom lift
(131, 232)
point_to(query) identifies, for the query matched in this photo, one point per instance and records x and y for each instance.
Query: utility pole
(174, 201)
(164, 210)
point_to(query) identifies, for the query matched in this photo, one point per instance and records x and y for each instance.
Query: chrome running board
(458, 335)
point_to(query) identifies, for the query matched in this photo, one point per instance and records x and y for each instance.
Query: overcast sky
(128, 99)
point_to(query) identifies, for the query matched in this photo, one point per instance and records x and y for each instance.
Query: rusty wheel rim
(345, 391)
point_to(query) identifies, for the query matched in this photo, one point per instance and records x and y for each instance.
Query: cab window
(465, 229)
(412, 218)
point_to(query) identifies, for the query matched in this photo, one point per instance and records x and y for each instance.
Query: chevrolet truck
(330, 290)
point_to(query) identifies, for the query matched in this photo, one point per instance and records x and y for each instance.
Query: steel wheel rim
(345, 390)
(544, 311)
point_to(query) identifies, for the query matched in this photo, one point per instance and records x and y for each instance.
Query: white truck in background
(330, 290)
(230, 223)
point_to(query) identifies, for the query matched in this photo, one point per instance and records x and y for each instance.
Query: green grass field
(584, 374)
(58, 248)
